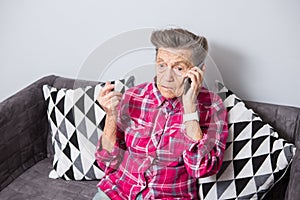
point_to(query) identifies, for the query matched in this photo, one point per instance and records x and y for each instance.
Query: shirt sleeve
(109, 161)
(204, 157)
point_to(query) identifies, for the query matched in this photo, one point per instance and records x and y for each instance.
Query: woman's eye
(178, 68)
(162, 65)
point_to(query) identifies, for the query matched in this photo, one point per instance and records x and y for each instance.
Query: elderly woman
(159, 137)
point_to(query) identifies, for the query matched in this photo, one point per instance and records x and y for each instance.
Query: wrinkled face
(171, 67)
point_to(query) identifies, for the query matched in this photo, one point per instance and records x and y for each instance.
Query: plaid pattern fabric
(153, 154)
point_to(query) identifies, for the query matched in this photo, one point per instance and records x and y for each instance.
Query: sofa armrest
(286, 120)
(23, 130)
(293, 190)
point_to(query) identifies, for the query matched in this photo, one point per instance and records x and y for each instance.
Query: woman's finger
(112, 94)
(106, 89)
(110, 101)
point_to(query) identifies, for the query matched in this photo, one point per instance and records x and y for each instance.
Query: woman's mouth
(166, 87)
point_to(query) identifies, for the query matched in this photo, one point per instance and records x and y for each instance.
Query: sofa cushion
(76, 121)
(34, 184)
(256, 157)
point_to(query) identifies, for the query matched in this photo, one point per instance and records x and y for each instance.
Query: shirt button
(142, 184)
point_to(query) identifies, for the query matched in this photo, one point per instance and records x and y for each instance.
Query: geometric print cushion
(255, 157)
(77, 121)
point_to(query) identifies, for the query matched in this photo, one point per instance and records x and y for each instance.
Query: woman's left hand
(189, 98)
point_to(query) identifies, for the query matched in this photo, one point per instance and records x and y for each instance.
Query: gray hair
(181, 39)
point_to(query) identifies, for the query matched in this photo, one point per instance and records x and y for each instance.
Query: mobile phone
(188, 81)
(187, 84)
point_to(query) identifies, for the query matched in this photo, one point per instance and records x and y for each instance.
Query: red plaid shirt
(153, 153)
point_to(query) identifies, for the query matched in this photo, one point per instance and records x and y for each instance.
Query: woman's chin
(168, 94)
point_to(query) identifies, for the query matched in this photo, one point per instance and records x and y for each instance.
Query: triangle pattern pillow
(77, 121)
(256, 157)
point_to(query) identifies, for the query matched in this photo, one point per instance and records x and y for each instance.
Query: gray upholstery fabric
(283, 118)
(24, 129)
(35, 184)
(62, 82)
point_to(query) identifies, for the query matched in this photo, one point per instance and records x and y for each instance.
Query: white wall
(254, 43)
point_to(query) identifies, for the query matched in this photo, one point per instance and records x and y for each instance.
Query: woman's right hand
(109, 99)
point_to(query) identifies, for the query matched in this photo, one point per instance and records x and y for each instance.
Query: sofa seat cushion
(35, 184)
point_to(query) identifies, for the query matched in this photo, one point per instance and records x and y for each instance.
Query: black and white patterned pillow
(77, 121)
(256, 157)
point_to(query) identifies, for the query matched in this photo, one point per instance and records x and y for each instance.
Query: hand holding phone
(188, 81)
(187, 84)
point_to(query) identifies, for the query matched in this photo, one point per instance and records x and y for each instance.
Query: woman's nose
(169, 74)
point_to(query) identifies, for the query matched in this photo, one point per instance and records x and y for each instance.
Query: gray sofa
(24, 156)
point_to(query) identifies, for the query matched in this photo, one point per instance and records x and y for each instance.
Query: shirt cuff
(105, 154)
(194, 144)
